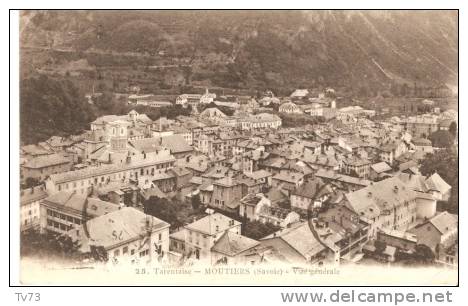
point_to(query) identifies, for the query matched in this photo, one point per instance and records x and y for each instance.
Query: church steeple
(118, 135)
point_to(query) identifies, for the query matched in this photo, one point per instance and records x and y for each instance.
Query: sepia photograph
(237, 147)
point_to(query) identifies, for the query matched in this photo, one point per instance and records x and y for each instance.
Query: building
(289, 108)
(201, 235)
(404, 241)
(379, 170)
(438, 187)
(261, 176)
(133, 117)
(43, 166)
(312, 194)
(30, 206)
(440, 231)
(227, 193)
(185, 133)
(260, 121)
(127, 235)
(188, 99)
(83, 181)
(213, 114)
(234, 249)
(148, 100)
(63, 211)
(288, 180)
(389, 151)
(299, 93)
(207, 97)
(297, 244)
(341, 181)
(356, 166)
(342, 231)
(385, 205)
(176, 144)
(421, 126)
(251, 205)
(426, 202)
(423, 145)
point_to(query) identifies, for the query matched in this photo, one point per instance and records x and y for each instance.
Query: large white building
(127, 235)
(260, 121)
(289, 108)
(83, 181)
(386, 205)
(30, 206)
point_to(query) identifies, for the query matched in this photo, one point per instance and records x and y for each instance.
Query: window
(160, 236)
(132, 252)
(125, 250)
(116, 253)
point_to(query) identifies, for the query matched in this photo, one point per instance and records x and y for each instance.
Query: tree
(441, 139)
(31, 182)
(48, 245)
(162, 209)
(380, 246)
(423, 254)
(257, 229)
(196, 203)
(453, 129)
(445, 163)
(51, 107)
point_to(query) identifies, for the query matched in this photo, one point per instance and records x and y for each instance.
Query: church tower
(118, 135)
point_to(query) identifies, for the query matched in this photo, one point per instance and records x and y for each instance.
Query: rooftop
(300, 238)
(232, 244)
(212, 224)
(444, 222)
(32, 194)
(379, 197)
(313, 189)
(121, 225)
(77, 203)
(43, 161)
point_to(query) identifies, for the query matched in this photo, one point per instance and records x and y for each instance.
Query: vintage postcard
(232, 147)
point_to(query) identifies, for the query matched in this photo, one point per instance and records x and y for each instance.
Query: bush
(257, 230)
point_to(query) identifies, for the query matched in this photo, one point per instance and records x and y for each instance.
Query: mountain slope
(268, 48)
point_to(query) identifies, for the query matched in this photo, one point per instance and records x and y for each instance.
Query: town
(243, 180)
